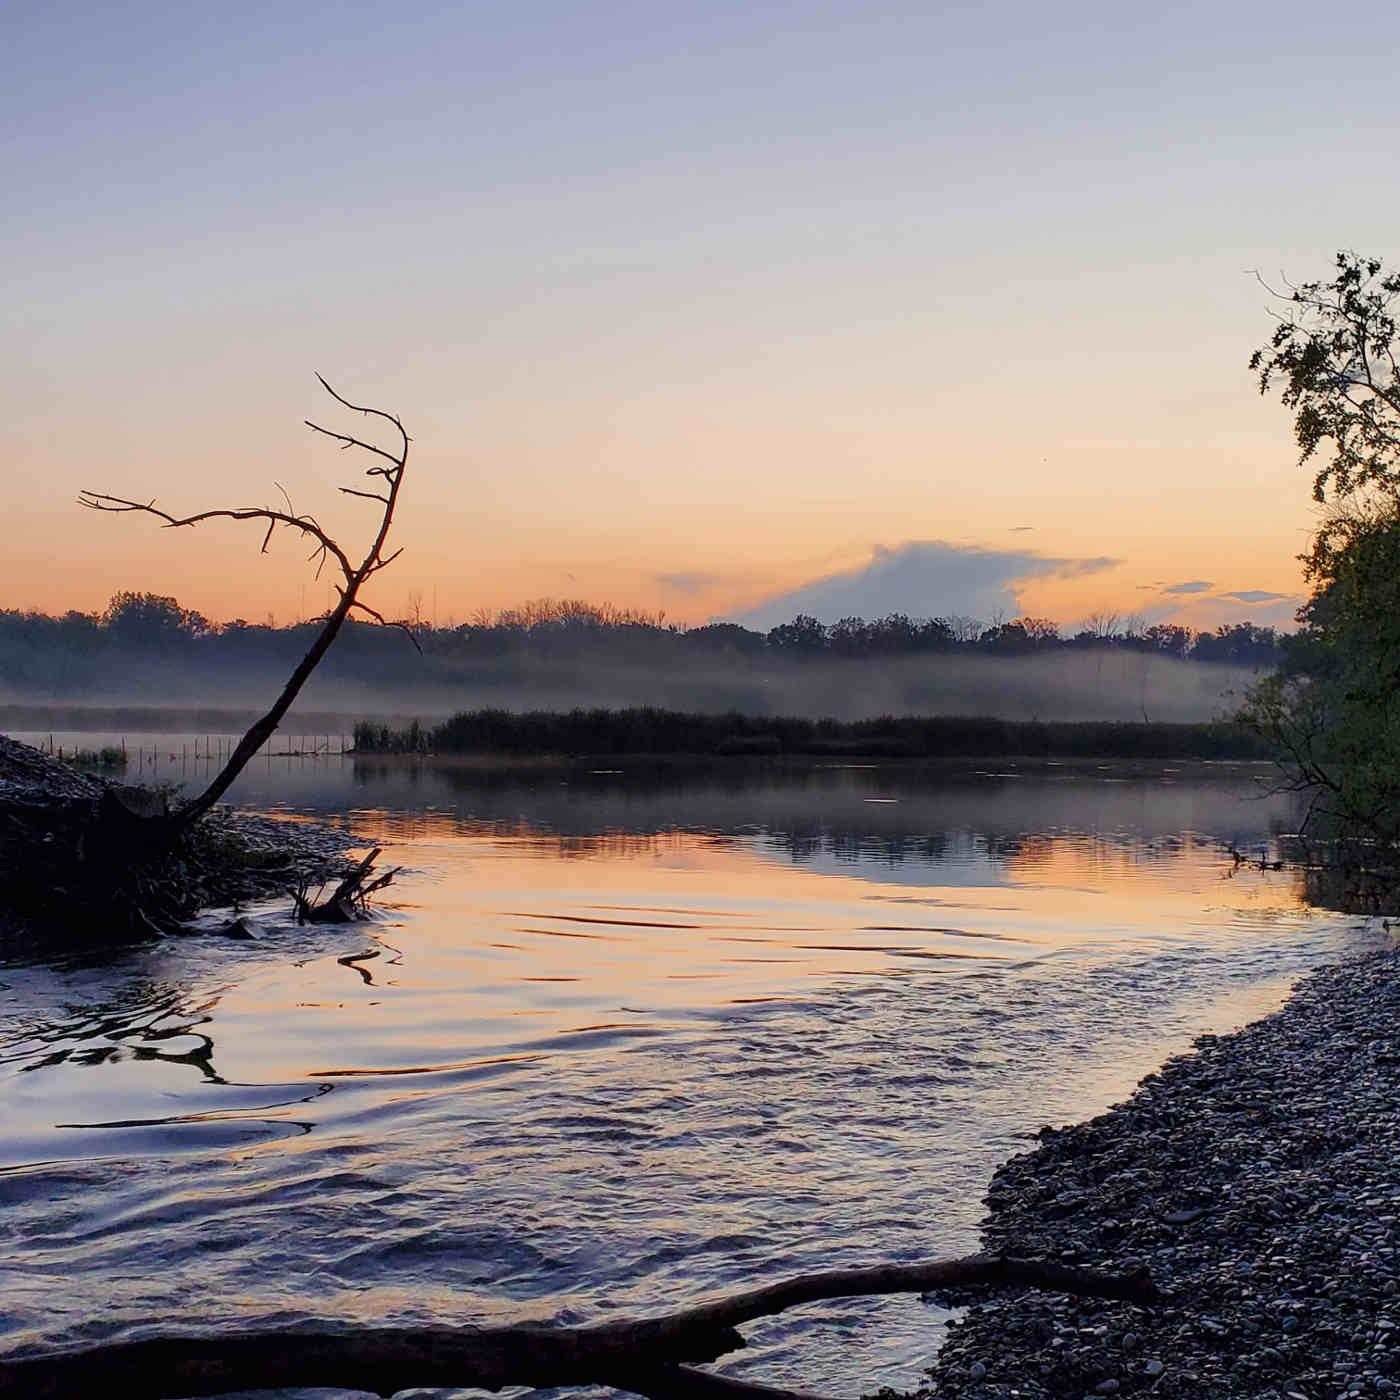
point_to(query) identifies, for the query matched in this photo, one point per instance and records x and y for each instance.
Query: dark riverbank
(1258, 1178)
(644, 731)
(49, 814)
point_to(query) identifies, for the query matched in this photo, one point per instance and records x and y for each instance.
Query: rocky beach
(1257, 1178)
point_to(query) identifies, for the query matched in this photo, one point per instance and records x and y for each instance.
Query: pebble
(1251, 1178)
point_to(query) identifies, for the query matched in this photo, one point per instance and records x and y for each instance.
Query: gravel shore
(1258, 1178)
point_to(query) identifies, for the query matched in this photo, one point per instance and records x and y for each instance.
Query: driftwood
(652, 1356)
(348, 901)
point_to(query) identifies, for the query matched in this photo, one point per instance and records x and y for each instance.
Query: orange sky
(748, 508)
(684, 315)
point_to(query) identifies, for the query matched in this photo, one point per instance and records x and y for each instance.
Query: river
(620, 1040)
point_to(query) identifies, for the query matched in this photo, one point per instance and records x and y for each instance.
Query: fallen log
(647, 1356)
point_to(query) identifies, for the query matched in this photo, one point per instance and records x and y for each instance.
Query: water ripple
(694, 1064)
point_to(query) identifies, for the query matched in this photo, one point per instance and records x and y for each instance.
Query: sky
(722, 310)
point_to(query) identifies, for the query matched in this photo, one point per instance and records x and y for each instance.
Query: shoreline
(607, 764)
(1257, 1177)
(55, 898)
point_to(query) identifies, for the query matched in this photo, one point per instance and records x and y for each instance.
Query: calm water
(621, 1040)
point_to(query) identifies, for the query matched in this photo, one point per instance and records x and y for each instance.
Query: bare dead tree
(652, 1356)
(1105, 625)
(388, 474)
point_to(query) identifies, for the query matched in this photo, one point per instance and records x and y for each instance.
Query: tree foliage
(1333, 709)
(151, 620)
(181, 656)
(1332, 358)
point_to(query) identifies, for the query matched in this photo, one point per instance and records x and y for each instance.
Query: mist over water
(1103, 684)
(624, 1039)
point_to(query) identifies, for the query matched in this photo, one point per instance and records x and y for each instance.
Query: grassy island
(644, 730)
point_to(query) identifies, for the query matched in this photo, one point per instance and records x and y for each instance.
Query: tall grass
(647, 730)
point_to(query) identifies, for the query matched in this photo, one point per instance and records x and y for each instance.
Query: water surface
(622, 1040)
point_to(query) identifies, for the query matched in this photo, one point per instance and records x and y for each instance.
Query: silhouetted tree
(1103, 626)
(1334, 710)
(725, 636)
(152, 620)
(1334, 355)
(1170, 639)
(1040, 631)
(850, 636)
(803, 636)
(388, 474)
(1241, 643)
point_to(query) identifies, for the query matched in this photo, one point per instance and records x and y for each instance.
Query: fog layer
(1105, 684)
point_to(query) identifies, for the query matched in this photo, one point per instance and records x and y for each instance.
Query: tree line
(40, 651)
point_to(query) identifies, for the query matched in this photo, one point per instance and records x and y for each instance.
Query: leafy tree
(1333, 710)
(152, 620)
(803, 636)
(895, 633)
(1007, 638)
(1333, 354)
(1170, 639)
(724, 636)
(1040, 631)
(938, 634)
(1241, 643)
(850, 636)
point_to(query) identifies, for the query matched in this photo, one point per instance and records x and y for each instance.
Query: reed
(648, 730)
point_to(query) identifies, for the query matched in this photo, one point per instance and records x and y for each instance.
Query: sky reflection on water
(623, 1039)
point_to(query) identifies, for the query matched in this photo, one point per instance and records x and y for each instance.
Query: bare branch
(345, 440)
(326, 547)
(388, 622)
(369, 412)
(98, 500)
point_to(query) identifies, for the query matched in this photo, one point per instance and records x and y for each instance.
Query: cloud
(1257, 595)
(1283, 613)
(1196, 585)
(688, 583)
(1074, 568)
(923, 578)
(1212, 612)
